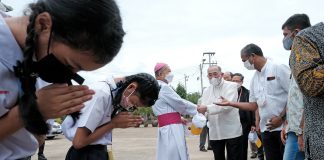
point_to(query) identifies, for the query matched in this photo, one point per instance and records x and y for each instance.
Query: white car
(54, 130)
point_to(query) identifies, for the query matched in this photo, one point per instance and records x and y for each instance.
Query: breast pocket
(272, 84)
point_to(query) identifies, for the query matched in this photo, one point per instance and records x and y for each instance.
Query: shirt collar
(162, 82)
(265, 66)
(11, 52)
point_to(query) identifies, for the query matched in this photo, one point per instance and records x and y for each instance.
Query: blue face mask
(287, 41)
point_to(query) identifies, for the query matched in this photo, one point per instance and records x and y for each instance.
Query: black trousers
(245, 144)
(233, 148)
(272, 145)
(90, 152)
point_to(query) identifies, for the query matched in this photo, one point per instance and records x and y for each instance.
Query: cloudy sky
(178, 32)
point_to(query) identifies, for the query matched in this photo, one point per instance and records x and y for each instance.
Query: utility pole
(186, 79)
(201, 80)
(210, 54)
(201, 66)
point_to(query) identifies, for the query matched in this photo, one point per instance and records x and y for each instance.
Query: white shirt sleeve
(230, 94)
(3, 111)
(93, 111)
(252, 97)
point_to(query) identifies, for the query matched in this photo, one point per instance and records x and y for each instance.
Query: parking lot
(128, 144)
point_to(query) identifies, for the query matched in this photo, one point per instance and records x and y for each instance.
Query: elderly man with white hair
(224, 122)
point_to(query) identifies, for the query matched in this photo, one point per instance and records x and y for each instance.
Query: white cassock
(171, 138)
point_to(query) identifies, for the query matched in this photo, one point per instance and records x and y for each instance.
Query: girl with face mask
(109, 108)
(52, 42)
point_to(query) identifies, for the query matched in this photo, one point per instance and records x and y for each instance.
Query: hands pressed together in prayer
(126, 119)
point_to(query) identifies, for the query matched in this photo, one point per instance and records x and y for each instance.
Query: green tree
(181, 91)
(193, 97)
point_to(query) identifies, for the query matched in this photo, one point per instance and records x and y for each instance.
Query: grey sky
(177, 32)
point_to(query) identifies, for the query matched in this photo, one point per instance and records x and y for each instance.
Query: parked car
(54, 130)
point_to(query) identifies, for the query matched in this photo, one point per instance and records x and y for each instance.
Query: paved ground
(128, 144)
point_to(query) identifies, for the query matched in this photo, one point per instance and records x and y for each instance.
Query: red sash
(169, 118)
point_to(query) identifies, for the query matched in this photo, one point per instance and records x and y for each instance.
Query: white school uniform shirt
(96, 112)
(171, 138)
(269, 89)
(21, 143)
(224, 121)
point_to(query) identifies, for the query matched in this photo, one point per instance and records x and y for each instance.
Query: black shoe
(203, 150)
(209, 148)
(41, 157)
(253, 155)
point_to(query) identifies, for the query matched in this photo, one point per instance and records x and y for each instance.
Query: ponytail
(32, 118)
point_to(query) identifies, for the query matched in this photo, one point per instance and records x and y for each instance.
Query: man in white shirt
(224, 122)
(268, 93)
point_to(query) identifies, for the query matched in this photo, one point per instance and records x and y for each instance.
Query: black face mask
(51, 70)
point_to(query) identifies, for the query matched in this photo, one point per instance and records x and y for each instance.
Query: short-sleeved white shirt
(270, 86)
(96, 112)
(21, 143)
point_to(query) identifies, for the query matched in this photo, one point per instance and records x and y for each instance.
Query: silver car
(54, 131)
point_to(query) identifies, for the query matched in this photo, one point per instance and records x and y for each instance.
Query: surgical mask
(239, 84)
(215, 81)
(51, 70)
(248, 65)
(287, 41)
(125, 103)
(169, 77)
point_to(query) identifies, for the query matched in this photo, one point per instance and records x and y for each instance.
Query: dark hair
(240, 75)
(147, 89)
(86, 25)
(252, 48)
(297, 21)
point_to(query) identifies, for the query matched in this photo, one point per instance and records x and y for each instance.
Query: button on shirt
(21, 143)
(96, 112)
(269, 89)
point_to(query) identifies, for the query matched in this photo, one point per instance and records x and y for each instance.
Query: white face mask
(215, 81)
(169, 77)
(239, 84)
(125, 101)
(248, 65)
